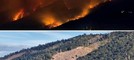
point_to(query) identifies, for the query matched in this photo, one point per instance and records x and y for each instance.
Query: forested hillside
(110, 46)
(120, 48)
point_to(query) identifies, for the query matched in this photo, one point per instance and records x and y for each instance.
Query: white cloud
(3, 53)
(11, 47)
(7, 49)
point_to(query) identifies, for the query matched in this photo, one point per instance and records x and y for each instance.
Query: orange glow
(51, 13)
(83, 14)
(50, 21)
(18, 15)
(53, 22)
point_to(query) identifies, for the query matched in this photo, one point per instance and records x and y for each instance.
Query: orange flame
(18, 15)
(56, 17)
(50, 21)
(53, 22)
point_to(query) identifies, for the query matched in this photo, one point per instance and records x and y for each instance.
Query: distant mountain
(110, 46)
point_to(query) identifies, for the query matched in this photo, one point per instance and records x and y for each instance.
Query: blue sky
(14, 41)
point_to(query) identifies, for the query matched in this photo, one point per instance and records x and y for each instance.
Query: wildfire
(60, 11)
(50, 21)
(27, 7)
(53, 22)
(18, 15)
(83, 14)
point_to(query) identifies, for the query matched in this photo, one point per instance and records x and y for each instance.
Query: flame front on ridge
(53, 12)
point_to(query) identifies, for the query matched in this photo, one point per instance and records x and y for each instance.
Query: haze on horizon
(15, 41)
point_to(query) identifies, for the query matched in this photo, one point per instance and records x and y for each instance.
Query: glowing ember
(18, 15)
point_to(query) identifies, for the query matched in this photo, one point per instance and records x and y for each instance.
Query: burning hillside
(51, 13)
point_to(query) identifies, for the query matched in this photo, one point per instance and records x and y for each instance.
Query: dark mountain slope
(118, 14)
(27, 23)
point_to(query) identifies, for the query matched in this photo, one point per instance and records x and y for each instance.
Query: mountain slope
(77, 52)
(118, 49)
(114, 45)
